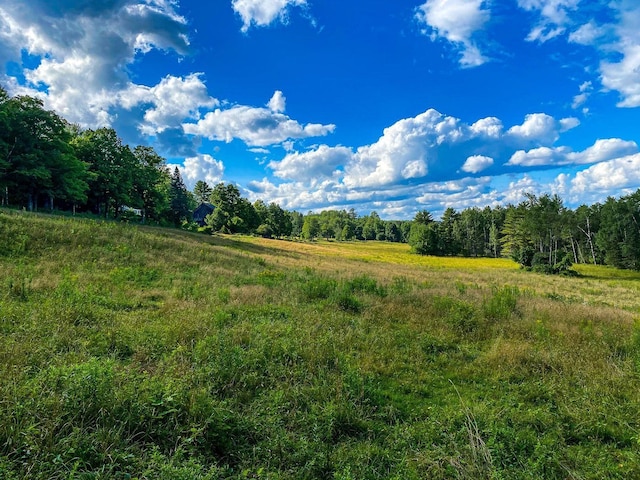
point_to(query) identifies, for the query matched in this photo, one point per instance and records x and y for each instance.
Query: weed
(502, 304)
(347, 302)
(462, 316)
(19, 289)
(365, 284)
(318, 288)
(400, 286)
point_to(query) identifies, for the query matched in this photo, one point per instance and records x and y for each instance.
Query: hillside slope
(130, 352)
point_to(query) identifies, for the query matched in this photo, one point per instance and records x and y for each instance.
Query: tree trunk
(580, 254)
(573, 247)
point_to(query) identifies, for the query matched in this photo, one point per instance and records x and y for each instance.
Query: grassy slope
(147, 353)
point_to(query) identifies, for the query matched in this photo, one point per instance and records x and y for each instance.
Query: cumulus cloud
(553, 17)
(424, 158)
(201, 167)
(517, 190)
(602, 150)
(412, 149)
(404, 150)
(84, 51)
(169, 102)
(257, 127)
(457, 21)
(321, 162)
(624, 76)
(542, 128)
(278, 102)
(261, 13)
(537, 156)
(608, 177)
(490, 127)
(477, 163)
(300, 195)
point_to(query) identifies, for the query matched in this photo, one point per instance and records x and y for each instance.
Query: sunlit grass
(149, 353)
(382, 252)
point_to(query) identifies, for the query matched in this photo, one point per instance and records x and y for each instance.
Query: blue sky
(374, 105)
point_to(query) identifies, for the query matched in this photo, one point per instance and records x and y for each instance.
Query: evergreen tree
(202, 191)
(179, 205)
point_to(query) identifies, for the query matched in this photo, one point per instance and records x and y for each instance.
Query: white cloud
(623, 39)
(602, 150)
(569, 123)
(581, 98)
(414, 169)
(202, 167)
(608, 178)
(477, 163)
(390, 174)
(624, 76)
(490, 127)
(536, 157)
(403, 151)
(322, 162)
(408, 149)
(617, 41)
(554, 17)
(257, 127)
(587, 34)
(84, 49)
(542, 128)
(517, 190)
(536, 126)
(457, 21)
(278, 102)
(263, 12)
(299, 195)
(170, 102)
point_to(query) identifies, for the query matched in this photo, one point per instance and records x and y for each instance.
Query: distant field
(148, 353)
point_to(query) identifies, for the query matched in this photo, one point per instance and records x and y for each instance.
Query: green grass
(147, 353)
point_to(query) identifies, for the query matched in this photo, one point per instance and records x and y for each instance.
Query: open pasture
(147, 353)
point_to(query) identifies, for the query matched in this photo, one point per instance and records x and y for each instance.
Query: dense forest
(47, 163)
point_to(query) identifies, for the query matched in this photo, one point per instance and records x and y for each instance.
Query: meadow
(145, 353)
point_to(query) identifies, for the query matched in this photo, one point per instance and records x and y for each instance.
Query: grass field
(143, 353)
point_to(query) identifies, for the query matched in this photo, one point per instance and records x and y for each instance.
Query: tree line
(48, 163)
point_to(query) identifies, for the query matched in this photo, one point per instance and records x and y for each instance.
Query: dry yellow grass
(597, 285)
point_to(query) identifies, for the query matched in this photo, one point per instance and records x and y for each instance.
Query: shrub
(502, 304)
(347, 302)
(318, 288)
(365, 284)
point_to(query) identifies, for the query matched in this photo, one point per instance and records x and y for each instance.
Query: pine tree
(179, 208)
(202, 191)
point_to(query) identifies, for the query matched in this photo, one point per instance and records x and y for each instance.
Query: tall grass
(147, 353)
